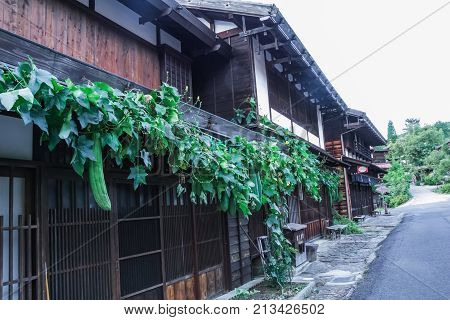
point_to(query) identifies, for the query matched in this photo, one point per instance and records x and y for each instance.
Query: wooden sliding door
(19, 241)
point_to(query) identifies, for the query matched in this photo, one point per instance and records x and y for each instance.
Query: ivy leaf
(161, 110)
(145, 156)
(53, 139)
(84, 146)
(180, 189)
(208, 186)
(168, 132)
(81, 98)
(37, 115)
(23, 70)
(138, 175)
(78, 162)
(37, 78)
(8, 99)
(89, 117)
(111, 140)
(58, 99)
(69, 126)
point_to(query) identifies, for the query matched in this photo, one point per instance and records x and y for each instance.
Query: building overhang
(169, 15)
(364, 127)
(275, 35)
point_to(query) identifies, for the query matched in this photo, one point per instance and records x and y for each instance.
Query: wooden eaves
(177, 20)
(268, 25)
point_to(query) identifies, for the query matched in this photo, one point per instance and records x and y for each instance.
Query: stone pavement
(341, 263)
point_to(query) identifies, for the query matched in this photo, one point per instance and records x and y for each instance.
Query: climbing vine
(97, 121)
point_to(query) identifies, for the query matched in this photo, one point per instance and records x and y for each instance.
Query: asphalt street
(414, 261)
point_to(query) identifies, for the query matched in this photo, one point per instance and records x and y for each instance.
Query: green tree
(445, 127)
(422, 151)
(391, 133)
(412, 124)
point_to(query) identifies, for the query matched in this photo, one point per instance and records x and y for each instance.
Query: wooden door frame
(30, 170)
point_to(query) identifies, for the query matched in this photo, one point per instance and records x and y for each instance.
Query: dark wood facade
(352, 138)
(223, 85)
(153, 244)
(84, 35)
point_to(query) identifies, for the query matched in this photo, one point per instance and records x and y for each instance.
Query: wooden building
(153, 244)
(352, 138)
(270, 63)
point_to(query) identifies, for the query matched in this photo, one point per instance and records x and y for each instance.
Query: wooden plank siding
(68, 29)
(223, 85)
(239, 251)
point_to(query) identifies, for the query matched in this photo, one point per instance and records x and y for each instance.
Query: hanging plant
(96, 121)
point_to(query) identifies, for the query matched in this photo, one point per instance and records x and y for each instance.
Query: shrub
(398, 181)
(445, 188)
(352, 227)
(432, 179)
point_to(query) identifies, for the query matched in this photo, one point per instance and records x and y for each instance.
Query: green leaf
(138, 175)
(111, 140)
(78, 162)
(84, 146)
(180, 189)
(53, 139)
(145, 156)
(22, 71)
(69, 126)
(8, 99)
(55, 99)
(89, 117)
(37, 78)
(37, 115)
(161, 110)
(81, 98)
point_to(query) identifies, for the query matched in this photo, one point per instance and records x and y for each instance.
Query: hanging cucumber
(257, 189)
(232, 205)
(97, 178)
(224, 202)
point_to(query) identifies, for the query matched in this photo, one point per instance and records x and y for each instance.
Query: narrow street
(414, 260)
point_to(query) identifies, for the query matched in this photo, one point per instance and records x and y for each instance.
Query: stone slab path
(341, 263)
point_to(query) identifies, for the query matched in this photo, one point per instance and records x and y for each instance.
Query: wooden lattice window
(176, 71)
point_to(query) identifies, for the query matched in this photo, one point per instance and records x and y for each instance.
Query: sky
(408, 77)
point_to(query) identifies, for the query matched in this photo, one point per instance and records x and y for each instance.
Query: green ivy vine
(95, 120)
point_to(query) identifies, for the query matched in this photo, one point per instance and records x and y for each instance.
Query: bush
(445, 188)
(352, 227)
(432, 180)
(396, 200)
(398, 181)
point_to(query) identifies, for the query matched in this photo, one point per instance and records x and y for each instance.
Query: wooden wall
(287, 100)
(239, 251)
(223, 85)
(62, 26)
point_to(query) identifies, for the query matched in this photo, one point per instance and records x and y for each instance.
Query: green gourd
(257, 189)
(97, 178)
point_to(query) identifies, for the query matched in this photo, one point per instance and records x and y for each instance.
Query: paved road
(414, 261)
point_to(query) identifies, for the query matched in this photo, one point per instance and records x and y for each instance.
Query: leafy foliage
(445, 188)
(398, 181)
(134, 126)
(352, 227)
(422, 151)
(391, 133)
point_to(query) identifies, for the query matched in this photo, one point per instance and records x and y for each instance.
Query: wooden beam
(254, 31)
(275, 45)
(294, 70)
(286, 60)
